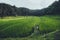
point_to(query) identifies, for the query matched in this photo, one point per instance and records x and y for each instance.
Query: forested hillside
(8, 10)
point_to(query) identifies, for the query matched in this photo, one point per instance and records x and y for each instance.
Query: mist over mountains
(8, 10)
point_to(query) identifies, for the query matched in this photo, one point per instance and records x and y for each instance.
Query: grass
(16, 26)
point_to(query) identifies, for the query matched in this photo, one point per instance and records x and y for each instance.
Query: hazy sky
(32, 4)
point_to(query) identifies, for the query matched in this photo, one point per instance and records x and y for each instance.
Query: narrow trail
(49, 33)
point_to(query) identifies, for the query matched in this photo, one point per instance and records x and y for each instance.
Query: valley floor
(11, 27)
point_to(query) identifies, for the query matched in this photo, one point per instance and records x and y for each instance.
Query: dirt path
(50, 33)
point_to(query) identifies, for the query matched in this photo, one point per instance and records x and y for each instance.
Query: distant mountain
(53, 9)
(8, 10)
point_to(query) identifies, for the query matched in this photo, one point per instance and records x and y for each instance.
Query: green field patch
(18, 26)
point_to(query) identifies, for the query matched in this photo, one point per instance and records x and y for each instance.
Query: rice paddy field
(12, 28)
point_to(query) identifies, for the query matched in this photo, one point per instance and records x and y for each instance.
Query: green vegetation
(16, 26)
(18, 23)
